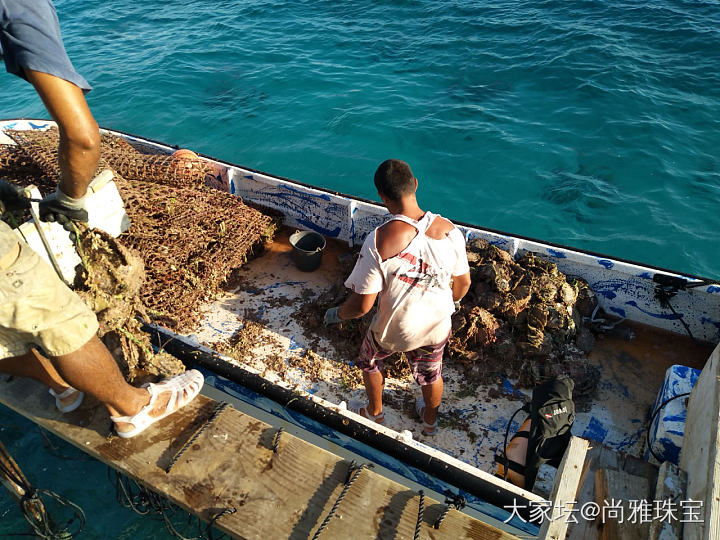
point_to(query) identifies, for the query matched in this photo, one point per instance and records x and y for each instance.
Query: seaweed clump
(522, 319)
(110, 282)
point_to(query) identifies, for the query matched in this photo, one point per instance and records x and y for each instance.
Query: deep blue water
(594, 124)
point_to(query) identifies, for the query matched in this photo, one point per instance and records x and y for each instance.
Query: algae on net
(110, 283)
(185, 239)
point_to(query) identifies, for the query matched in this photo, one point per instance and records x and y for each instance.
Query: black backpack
(552, 413)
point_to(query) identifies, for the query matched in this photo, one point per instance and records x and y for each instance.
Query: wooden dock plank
(598, 457)
(670, 486)
(618, 488)
(232, 465)
(700, 454)
(565, 489)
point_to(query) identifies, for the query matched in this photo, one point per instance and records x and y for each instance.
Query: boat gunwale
(706, 280)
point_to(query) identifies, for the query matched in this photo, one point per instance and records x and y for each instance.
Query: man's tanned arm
(356, 305)
(460, 286)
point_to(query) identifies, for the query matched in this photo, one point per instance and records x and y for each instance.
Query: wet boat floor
(632, 361)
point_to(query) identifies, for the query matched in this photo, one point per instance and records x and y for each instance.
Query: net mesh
(188, 236)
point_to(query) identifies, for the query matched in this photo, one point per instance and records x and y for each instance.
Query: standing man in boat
(37, 310)
(416, 263)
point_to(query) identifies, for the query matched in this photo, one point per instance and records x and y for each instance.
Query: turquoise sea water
(594, 124)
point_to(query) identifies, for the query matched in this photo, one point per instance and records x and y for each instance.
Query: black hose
(652, 419)
(507, 434)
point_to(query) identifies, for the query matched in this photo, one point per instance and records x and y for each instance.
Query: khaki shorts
(39, 310)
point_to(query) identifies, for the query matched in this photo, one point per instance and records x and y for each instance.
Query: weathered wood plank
(618, 488)
(700, 454)
(232, 465)
(670, 487)
(600, 456)
(565, 489)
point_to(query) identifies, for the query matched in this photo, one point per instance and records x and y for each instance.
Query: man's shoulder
(440, 228)
(392, 237)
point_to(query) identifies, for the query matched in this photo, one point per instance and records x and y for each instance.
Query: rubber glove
(331, 316)
(12, 197)
(62, 208)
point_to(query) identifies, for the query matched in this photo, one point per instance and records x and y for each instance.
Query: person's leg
(36, 366)
(374, 386)
(369, 360)
(426, 366)
(79, 148)
(432, 395)
(92, 369)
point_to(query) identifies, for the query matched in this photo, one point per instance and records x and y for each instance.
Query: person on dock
(37, 310)
(416, 263)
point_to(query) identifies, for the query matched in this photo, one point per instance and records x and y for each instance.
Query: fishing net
(190, 239)
(41, 147)
(16, 166)
(184, 242)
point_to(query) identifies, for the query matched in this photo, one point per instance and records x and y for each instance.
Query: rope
(276, 440)
(458, 501)
(663, 294)
(143, 501)
(681, 319)
(216, 412)
(225, 512)
(54, 450)
(353, 473)
(421, 511)
(44, 527)
(652, 419)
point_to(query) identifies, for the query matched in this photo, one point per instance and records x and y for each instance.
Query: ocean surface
(593, 124)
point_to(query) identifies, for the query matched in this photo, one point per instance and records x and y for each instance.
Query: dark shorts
(425, 362)
(30, 38)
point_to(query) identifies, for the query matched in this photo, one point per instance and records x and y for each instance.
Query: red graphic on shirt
(420, 275)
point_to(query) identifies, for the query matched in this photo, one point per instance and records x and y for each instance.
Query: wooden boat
(633, 365)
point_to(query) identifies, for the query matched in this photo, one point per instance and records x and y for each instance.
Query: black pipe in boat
(193, 355)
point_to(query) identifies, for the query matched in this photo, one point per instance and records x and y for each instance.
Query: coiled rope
(43, 526)
(143, 501)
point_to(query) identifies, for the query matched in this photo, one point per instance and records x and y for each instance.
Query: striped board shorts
(425, 362)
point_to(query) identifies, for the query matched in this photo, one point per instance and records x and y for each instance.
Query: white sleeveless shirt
(415, 298)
